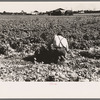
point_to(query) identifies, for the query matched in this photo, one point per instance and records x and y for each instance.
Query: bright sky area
(47, 6)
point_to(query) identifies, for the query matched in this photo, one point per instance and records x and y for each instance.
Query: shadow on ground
(44, 55)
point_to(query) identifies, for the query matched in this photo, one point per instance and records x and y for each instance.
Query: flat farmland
(22, 35)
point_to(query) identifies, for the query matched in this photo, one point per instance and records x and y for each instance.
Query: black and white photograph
(50, 42)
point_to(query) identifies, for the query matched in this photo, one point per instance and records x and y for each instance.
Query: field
(21, 36)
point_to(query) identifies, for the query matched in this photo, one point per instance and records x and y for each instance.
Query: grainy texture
(21, 36)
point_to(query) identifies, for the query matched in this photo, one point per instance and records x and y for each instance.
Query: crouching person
(60, 47)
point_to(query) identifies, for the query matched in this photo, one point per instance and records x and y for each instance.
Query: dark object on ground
(47, 55)
(43, 54)
(29, 58)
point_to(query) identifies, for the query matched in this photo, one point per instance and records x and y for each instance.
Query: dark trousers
(59, 53)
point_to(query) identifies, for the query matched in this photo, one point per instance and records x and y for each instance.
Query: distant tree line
(56, 12)
(15, 13)
(86, 11)
(92, 11)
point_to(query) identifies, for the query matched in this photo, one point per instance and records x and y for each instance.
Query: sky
(47, 6)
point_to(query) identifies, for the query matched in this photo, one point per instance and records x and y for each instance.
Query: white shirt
(60, 41)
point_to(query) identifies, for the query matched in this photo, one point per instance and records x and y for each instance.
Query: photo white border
(49, 89)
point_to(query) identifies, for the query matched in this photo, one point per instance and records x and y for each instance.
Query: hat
(60, 33)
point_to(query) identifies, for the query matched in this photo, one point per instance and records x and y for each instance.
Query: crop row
(28, 32)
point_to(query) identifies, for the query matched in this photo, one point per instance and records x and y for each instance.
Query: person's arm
(67, 47)
(51, 43)
(68, 50)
